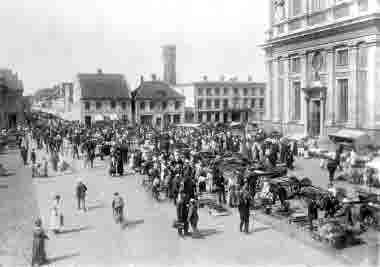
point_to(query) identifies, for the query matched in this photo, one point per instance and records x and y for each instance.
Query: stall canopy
(189, 125)
(98, 117)
(351, 138)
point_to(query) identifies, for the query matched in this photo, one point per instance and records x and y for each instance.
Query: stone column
(331, 97)
(353, 104)
(304, 83)
(307, 121)
(286, 95)
(268, 91)
(372, 85)
(229, 116)
(275, 95)
(322, 119)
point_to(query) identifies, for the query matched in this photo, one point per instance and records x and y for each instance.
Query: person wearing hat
(56, 216)
(182, 214)
(39, 251)
(193, 215)
(81, 191)
(243, 207)
(118, 208)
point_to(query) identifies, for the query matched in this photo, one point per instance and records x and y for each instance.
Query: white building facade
(323, 64)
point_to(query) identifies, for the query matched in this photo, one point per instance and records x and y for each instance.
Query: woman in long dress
(39, 237)
(56, 216)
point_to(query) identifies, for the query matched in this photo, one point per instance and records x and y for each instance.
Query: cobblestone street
(93, 239)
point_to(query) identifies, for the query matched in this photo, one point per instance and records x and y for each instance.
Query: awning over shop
(355, 138)
(189, 125)
(98, 117)
(114, 117)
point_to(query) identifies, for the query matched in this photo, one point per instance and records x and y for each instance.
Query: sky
(49, 41)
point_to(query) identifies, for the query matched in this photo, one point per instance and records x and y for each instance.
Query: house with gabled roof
(158, 104)
(101, 97)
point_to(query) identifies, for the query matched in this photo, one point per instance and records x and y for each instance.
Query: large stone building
(158, 104)
(225, 101)
(323, 64)
(11, 99)
(101, 96)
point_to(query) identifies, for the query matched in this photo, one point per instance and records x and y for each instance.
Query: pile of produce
(333, 232)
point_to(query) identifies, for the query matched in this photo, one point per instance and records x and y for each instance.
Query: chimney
(100, 71)
(205, 78)
(250, 78)
(222, 78)
(141, 79)
(154, 77)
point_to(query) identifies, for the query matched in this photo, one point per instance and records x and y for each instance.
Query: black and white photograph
(186, 133)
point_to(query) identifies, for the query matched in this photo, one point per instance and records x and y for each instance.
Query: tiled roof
(103, 85)
(156, 90)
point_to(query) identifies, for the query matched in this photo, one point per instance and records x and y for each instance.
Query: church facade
(323, 66)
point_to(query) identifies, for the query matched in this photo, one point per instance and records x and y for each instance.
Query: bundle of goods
(332, 232)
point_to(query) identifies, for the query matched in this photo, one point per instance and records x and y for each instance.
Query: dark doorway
(12, 120)
(146, 119)
(236, 116)
(315, 118)
(225, 117)
(87, 121)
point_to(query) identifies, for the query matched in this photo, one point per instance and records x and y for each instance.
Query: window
(209, 93)
(262, 92)
(200, 91)
(217, 117)
(177, 105)
(217, 91)
(164, 105)
(208, 103)
(253, 91)
(98, 105)
(342, 57)
(113, 104)
(297, 101)
(261, 103)
(317, 5)
(236, 91)
(225, 91)
(280, 67)
(363, 5)
(363, 56)
(151, 105)
(200, 103)
(225, 103)
(295, 65)
(87, 105)
(245, 102)
(343, 99)
(295, 7)
(217, 103)
(124, 105)
(253, 103)
(245, 91)
(142, 105)
(208, 116)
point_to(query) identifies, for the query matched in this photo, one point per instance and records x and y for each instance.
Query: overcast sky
(49, 41)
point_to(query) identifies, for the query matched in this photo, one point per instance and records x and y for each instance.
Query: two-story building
(229, 101)
(11, 99)
(323, 64)
(158, 104)
(101, 96)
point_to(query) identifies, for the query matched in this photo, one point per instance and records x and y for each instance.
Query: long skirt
(39, 252)
(55, 221)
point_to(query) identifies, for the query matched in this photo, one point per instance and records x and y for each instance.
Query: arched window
(98, 105)
(87, 105)
(113, 104)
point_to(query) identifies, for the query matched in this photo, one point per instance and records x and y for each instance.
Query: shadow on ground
(75, 230)
(63, 257)
(132, 223)
(203, 233)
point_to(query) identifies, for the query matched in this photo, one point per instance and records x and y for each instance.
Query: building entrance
(315, 118)
(87, 121)
(12, 120)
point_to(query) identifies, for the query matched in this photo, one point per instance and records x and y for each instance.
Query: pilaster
(331, 96)
(286, 94)
(353, 108)
(275, 95)
(268, 91)
(304, 83)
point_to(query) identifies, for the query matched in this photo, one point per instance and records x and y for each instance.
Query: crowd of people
(168, 166)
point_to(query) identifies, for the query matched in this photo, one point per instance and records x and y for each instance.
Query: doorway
(315, 118)
(87, 121)
(12, 120)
